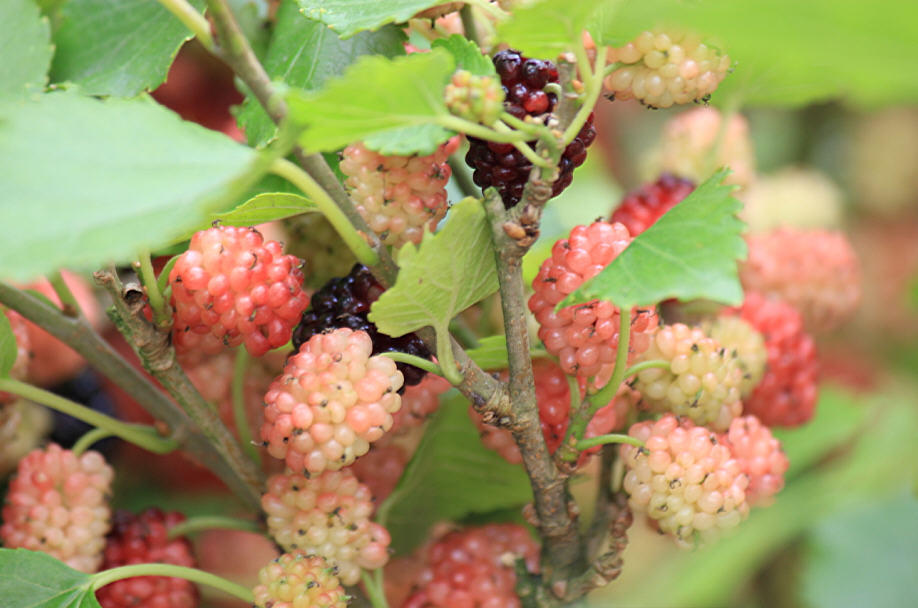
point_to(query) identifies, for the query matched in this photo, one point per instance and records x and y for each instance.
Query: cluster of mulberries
(793, 197)
(332, 400)
(816, 271)
(475, 568)
(143, 539)
(500, 164)
(231, 287)
(744, 343)
(665, 68)
(296, 580)
(584, 337)
(400, 197)
(327, 515)
(641, 208)
(345, 302)
(685, 479)
(58, 503)
(760, 457)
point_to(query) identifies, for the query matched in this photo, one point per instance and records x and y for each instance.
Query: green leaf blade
(116, 47)
(548, 28)
(304, 53)
(377, 95)
(467, 55)
(8, 348)
(451, 476)
(89, 182)
(347, 17)
(32, 579)
(25, 45)
(689, 253)
(266, 207)
(447, 273)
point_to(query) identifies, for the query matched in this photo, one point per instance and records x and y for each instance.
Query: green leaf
(865, 556)
(405, 141)
(467, 55)
(791, 53)
(451, 476)
(491, 353)
(347, 17)
(689, 253)
(447, 273)
(89, 182)
(8, 348)
(116, 47)
(377, 95)
(36, 580)
(304, 53)
(267, 207)
(548, 28)
(25, 46)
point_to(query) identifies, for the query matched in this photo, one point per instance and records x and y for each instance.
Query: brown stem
(561, 546)
(232, 47)
(79, 335)
(153, 347)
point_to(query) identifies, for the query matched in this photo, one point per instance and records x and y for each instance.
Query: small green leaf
(451, 476)
(467, 55)
(405, 141)
(116, 47)
(25, 46)
(347, 17)
(491, 353)
(304, 53)
(376, 95)
(548, 28)
(89, 182)
(689, 253)
(447, 273)
(32, 579)
(8, 348)
(268, 207)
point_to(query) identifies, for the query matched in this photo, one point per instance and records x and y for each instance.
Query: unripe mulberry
(473, 568)
(476, 98)
(331, 402)
(816, 271)
(20, 369)
(381, 468)
(786, 395)
(58, 504)
(760, 457)
(299, 580)
(345, 302)
(665, 68)
(584, 337)
(684, 479)
(741, 338)
(22, 427)
(553, 397)
(400, 197)
(501, 165)
(641, 208)
(231, 287)
(702, 381)
(795, 197)
(327, 515)
(143, 539)
(692, 146)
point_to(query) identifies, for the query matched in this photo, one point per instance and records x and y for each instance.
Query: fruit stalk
(79, 335)
(99, 580)
(158, 357)
(558, 528)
